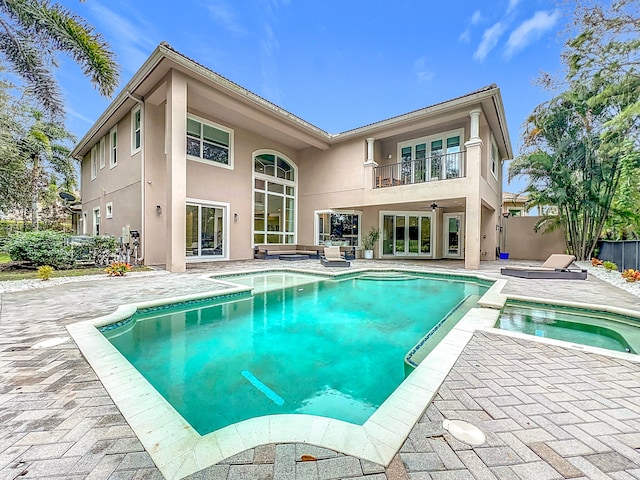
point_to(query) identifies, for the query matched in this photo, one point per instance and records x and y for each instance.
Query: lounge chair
(556, 266)
(333, 258)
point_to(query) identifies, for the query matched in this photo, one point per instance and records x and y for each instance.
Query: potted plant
(369, 241)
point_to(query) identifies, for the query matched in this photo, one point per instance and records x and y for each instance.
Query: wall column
(473, 216)
(370, 163)
(176, 154)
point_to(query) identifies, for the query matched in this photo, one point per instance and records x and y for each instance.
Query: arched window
(274, 198)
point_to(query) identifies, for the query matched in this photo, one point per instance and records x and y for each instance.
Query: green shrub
(103, 249)
(45, 272)
(610, 266)
(40, 248)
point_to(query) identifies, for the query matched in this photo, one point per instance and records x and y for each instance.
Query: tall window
(94, 161)
(136, 130)
(113, 147)
(96, 221)
(338, 228)
(494, 157)
(274, 199)
(208, 141)
(205, 230)
(103, 142)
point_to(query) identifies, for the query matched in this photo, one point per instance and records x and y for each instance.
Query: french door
(407, 234)
(453, 235)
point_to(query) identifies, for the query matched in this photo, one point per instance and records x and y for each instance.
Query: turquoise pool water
(597, 329)
(330, 348)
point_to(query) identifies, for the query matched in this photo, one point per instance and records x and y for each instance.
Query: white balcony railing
(421, 170)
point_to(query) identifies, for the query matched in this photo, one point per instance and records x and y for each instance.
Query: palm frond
(71, 34)
(28, 63)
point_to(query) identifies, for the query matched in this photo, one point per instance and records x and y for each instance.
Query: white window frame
(407, 213)
(103, 151)
(96, 224)
(135, 149)
(274, 179)
(228, 130)
(113, 148)
(94, 161)
(445, 238)
(226, 207)
(413, 143)
(108, 210)
(316, 223)
(493, 147)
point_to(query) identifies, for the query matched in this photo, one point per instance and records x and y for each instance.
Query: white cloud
(512, 5)
(476, 18)
(224, 16)
(531, 30)
(76, 114)
(423, 73)
(489, 41)
(125, 37)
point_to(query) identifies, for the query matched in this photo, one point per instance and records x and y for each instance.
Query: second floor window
(208, 142)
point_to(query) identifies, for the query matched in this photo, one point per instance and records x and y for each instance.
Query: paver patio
(548, 412)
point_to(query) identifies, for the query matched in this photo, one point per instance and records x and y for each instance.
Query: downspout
(143, 219)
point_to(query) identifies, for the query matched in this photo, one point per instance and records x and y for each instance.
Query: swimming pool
(579, 326)
(332, 348)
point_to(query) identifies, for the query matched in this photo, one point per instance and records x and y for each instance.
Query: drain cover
(465, 432)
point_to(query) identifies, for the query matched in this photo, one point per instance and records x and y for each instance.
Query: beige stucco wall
(522, 243)
(119, 185)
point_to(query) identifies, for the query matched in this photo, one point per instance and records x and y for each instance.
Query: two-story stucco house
(206, 170)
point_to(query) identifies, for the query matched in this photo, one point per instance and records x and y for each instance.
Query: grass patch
(74, 272)
(4, 257)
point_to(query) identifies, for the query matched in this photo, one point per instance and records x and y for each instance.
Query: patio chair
(333, 258)
(556, 266)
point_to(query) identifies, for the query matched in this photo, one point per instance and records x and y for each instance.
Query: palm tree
(49, 159)
(572, 166)
(32, 30)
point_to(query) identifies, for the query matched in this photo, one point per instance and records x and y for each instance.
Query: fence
(625, 253)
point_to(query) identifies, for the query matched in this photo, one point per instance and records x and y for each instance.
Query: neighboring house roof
(129, 95)
(514, 197)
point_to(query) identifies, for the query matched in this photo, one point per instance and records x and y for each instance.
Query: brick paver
(547, 412)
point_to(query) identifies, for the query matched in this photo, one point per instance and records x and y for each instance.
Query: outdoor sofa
(268, 251)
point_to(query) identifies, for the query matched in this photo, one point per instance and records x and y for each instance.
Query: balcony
(421, 170)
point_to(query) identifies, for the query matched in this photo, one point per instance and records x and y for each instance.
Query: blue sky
(338, 64)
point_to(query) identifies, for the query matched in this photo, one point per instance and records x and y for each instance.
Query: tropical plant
(631, 275)
(32, 30)
(609, 266)
(581, 149)
(370, 239)
(118, 269)
(595, 262)
(45, 272)
(49, 159)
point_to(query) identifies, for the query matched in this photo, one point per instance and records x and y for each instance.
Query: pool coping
(178, 450)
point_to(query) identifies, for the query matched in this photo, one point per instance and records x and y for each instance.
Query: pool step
(423, 348)
(387, 276)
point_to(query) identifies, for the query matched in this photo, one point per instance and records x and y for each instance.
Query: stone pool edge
(178, 450)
